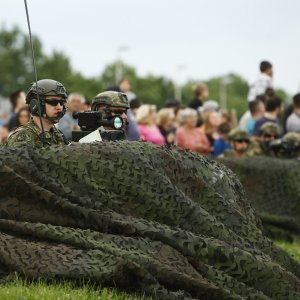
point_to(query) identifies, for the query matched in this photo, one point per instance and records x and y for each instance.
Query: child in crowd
(222, 143)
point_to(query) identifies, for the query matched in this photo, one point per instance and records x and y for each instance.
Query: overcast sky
(208, 37)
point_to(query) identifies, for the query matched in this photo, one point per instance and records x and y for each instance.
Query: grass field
(292, 248)
(21, 290)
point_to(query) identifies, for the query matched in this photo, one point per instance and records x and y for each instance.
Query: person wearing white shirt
(263, 81)
(293, 121)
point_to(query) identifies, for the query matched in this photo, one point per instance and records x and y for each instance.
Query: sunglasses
(54, 102)
(242, 141)
(270, 136)
(119, 111)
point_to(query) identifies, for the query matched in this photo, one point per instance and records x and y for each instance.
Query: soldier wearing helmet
(288, 146)
(46, 102)
(268, 132)
(239, 140)
(111, 104)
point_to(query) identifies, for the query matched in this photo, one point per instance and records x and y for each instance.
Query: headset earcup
(34, 107)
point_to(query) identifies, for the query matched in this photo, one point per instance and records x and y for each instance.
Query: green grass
(292, 248)
(19, 289)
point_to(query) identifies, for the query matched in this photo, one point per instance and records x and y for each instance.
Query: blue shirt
(132, 132)
(250, 126)
(220, 145)
(260, 122)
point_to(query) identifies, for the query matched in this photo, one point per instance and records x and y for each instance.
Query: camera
(90, 121)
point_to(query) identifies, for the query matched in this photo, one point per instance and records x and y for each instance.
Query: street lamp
(119, 67)
(224, 81)
(177, 83)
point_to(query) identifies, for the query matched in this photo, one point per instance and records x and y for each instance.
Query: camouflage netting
(272, 186)
(159, 221)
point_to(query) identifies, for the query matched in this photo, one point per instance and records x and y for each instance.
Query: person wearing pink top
(146, 119)
(190, 137)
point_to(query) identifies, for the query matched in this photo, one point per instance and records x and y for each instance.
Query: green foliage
(23, 290)
(292, 248)
(15, 60)
(17, 72)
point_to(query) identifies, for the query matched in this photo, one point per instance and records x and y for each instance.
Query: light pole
(177, 82)
(119, 67)
(224, 81)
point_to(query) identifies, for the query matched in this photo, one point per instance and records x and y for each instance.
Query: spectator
(222, 143)
(23, 116)
(262, 82)
(135, 104)
(230, 118)
(125, 87)
(4, 133)
(86, 105)
(177, 112)
(188, 136)
(132, 131)
(172, 103)
(166, 120)
(67, 123)
(246, 117)
(257, 110)
(210, 126)
(293, 121)
(201, 92)
(146, 119)
(208, 107)
(273, 108)
(18, 100)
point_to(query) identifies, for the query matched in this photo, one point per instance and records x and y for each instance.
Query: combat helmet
(238, 134)
(110, 98)
(269, 128)
(292, 138)
(44, 88)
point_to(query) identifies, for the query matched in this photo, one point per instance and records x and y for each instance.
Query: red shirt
(191, 139)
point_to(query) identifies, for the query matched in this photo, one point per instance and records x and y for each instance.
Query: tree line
(17, 72)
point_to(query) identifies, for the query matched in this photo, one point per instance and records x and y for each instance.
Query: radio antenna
(35, 73)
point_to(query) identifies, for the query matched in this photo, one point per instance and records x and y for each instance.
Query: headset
(38, 108)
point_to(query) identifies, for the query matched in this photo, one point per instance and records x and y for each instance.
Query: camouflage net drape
(159, 221)
(273, 187)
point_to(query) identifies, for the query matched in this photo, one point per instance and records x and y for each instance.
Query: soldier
(111, 104)
(288, 146)
(40, 130)
(267, 133)
(239, 140)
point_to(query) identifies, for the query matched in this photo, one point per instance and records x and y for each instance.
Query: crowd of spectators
(199, 126)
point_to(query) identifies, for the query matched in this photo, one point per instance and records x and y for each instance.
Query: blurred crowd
(199, 126)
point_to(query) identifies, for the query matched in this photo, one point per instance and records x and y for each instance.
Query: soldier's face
(53, 108)
(121, 112)
(269, 137)
(240, 146)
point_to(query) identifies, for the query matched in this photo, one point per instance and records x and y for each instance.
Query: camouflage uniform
(293, 137)
(261, 147)
(290, 145)
(31, 134)
(236, 134)
(255, 149)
